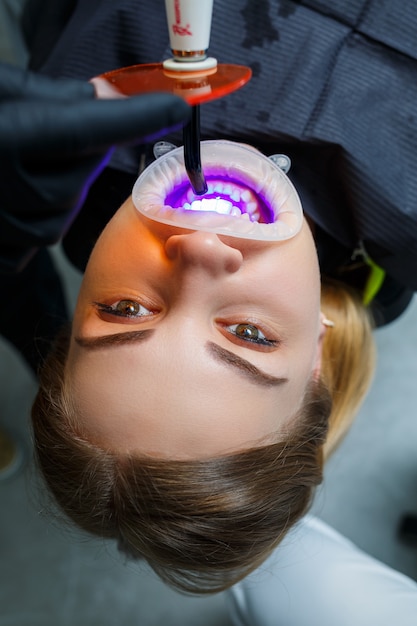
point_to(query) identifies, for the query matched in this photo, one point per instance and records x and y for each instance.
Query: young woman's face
(189, 344)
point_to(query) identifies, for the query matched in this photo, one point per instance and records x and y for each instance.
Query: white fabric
(316, 577)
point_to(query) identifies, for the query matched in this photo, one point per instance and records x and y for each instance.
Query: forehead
(172, 403)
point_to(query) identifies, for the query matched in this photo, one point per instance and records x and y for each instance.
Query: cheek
(125, 239)
(293, 291)
(297, 306)
(292, 269)
(120, 264)
(302, 284)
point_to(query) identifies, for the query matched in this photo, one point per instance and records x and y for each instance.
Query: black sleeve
(42, 23)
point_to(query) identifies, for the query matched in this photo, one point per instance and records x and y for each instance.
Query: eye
(124, 308)
(250, 333)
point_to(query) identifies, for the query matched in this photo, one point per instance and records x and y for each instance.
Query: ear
(324, 325)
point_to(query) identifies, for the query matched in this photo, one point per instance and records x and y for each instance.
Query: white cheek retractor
(248, 195)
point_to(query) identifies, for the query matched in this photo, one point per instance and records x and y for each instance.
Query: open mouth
(224, 197)
(248, 195)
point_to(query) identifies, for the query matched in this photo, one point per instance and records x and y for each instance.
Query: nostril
(172, 246)
(234, 262)
(203, 249)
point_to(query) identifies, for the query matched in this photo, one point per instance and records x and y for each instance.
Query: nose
(204, 250)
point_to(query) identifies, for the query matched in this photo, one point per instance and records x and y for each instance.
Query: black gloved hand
(55, 138)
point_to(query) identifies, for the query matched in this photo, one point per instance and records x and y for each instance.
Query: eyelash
(259, 341)
(111, 310)
(245, 326)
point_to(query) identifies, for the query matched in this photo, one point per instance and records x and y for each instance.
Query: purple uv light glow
(221, 188)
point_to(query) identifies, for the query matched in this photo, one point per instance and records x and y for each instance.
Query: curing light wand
(190, 74)
(189, 25)
(192, 153)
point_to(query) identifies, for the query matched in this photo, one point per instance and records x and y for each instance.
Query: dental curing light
(190, 73)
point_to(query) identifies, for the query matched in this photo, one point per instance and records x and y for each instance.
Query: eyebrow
(253, 373)
(250, 371)
(116, 339)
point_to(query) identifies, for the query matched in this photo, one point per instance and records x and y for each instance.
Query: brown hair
(201, 525)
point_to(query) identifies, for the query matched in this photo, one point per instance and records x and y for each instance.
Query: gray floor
(55, 577)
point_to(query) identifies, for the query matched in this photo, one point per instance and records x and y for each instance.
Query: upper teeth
(223, 206)
(219, 205)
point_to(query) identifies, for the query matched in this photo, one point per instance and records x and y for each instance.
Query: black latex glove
(55, 138)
